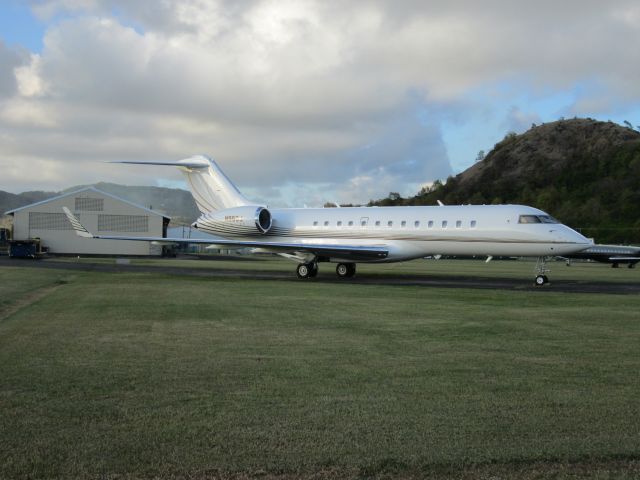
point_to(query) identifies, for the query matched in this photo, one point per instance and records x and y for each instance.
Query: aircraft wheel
(632, 265)
(314, 270)
(614, 265)
(304, 270)
(342, 270)
(346, 270)
(541, 280)
(352, 269)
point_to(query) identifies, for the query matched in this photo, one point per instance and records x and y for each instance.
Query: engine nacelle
(238, 220)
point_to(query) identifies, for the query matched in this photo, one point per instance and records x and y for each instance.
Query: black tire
(346, 270)
(352, 269)
(314, 270)
(342, 270)
(540, 280)
(303, 270)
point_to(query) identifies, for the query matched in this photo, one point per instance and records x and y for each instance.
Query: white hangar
(100, 213)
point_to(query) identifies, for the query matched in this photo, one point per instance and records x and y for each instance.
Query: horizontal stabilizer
(196, 162)
(209, 186)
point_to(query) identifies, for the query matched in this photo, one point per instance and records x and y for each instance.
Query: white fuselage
(412, 232)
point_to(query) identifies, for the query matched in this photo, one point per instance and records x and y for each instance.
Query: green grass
(143, 375)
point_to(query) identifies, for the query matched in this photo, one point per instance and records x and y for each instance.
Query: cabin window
(458, 223)
(403, 223)
(416, 223)
(377, 223)
(444, 224)
(363, 223)
(351, 223)
(537, 219)
(529, 219)
(326, 223)
(315, 224)
(473, 224)
(430, 224)
(389, 223)
(547, 219)
(339, 223)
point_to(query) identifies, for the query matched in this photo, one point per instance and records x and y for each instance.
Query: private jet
(346, 236)
(613, 254)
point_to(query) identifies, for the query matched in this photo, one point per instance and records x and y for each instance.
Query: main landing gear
(307, 270)
(541, 271)
(310, 270)
(346, 270)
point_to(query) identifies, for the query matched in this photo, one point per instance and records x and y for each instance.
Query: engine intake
(263, 219)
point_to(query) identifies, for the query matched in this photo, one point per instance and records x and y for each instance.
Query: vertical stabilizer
(210, 187)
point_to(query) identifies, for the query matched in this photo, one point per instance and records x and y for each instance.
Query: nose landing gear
(541, 280)
(541, 271)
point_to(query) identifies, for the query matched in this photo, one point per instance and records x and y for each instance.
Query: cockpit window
(529, 219)
(537, 219)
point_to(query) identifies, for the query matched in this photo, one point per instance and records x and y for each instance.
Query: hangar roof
(86, 189)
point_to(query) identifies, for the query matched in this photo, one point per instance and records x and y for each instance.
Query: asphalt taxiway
(382, 279)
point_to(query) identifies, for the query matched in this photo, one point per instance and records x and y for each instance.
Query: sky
(300, 102)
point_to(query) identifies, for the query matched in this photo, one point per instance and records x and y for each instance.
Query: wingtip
(80, 230)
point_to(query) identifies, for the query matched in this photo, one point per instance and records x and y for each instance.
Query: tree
(477, 199)
(510, 135)
(628, 124)
(394, 196)
(480, 156)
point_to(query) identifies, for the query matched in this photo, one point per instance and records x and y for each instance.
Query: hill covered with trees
(582, 171)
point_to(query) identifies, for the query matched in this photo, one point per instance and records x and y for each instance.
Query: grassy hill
(582, 171)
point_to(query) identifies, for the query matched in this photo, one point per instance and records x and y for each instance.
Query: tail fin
(210, 187)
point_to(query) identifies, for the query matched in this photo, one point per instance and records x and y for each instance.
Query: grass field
(133, 375)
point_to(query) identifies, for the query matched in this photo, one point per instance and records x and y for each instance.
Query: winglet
(77, 226)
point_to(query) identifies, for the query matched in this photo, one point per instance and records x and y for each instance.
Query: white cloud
(29, 79)
(519, 121)
(9, 60)
(343, 99)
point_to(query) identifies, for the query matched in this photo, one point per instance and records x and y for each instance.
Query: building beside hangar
(101, 213)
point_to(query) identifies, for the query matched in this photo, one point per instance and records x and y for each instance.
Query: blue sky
(299, 101)
(19, 27)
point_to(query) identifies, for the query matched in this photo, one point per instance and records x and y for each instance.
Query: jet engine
(237, 219)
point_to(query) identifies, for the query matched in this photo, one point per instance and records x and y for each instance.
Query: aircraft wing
(352, 252)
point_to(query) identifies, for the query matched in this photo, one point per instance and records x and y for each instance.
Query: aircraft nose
(571, 236)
